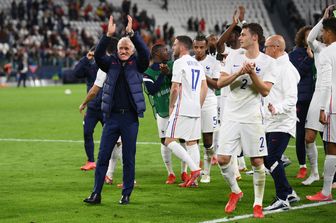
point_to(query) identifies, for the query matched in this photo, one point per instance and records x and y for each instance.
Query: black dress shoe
(93, 199)
(124, 199)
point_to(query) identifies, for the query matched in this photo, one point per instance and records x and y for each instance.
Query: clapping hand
(164, 69)
(111, 28)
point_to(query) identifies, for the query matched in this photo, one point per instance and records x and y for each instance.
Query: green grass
(41, 181)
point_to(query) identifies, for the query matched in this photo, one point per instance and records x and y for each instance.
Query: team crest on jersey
(258, 69)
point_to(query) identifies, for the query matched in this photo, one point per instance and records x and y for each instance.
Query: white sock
(311, 151)
(329, 172)
(180, 152)
(229, 175)
(234, 161)
(208, 152)
(215, 141)
(194, 153)
(259, 178)
(303, 166)
(116, 153)
(241, 163)
(184, 166)
(166, 157)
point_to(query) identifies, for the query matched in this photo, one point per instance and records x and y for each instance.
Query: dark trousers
(301, 112)
(23, 78)
(276, 144)
(125, 125)
(92, 117)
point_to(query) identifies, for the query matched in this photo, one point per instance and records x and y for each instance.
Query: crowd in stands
(42, 32)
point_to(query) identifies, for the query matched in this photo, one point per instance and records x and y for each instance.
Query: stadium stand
(58, 33)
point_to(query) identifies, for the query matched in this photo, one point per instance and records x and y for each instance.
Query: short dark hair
(330, 24)
(255, 29)
(201, 37)
(185, 40)
(237, 29)
(300, 36)
(156, 48)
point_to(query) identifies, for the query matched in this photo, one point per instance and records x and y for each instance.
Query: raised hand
(241, 13)
(129, 24)
(111, 28)
(326, 12)
(164, 69)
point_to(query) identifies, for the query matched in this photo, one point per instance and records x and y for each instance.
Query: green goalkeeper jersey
(160, 99)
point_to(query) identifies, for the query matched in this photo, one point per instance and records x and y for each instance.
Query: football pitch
(41, 151)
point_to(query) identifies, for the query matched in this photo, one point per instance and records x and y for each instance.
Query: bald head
(275, 46)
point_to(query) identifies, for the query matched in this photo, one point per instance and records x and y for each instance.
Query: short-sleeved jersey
(189, 73)
(100, 79)
(244, 103)
(211, 69)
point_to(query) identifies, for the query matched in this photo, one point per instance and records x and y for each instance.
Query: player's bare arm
(212, 83)
(263, 87)
(89, 97)
(174, 91)
(226, 79)
(204, 91)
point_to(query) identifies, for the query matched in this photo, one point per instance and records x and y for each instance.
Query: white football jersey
(244, 103)
(189, 73)
(211, 69)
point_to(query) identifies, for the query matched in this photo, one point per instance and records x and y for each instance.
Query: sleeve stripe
(148, 80)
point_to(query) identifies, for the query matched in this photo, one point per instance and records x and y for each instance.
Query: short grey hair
(128, 40)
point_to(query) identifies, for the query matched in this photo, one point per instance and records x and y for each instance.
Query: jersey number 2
(194, 78)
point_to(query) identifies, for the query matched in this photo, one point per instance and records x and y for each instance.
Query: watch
(130, 34)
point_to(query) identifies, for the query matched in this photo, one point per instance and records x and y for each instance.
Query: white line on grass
(80, 141)
(63, 141)
(269, 212)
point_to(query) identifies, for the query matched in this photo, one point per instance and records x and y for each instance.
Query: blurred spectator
(202, 25)
(135, 10)
(190, 24)
(126, 5)
(165, 5)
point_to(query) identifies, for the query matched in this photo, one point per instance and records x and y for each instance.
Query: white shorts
(248, 136)
(329, 132)
(162, 124)
(209, 119)
(313, 116)
(221, 107)
(183, 127)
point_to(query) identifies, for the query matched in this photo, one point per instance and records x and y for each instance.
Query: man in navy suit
(122, 103)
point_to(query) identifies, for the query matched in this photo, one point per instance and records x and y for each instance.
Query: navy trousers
(276, 144)
(301, 112)
(91, 119)
(125, 125)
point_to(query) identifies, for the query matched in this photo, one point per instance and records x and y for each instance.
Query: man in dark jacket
(122, 103)
(87, 68)
(302, 58)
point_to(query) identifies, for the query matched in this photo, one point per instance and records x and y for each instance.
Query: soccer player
(229, 42)
(209, 121)
(312, 123)
(280, 120)
(88, 68)
(250, 75)
(187, 95)
(302, 59)
(328, 107)
(157, 79)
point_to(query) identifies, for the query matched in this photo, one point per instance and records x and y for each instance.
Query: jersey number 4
(194, 78)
